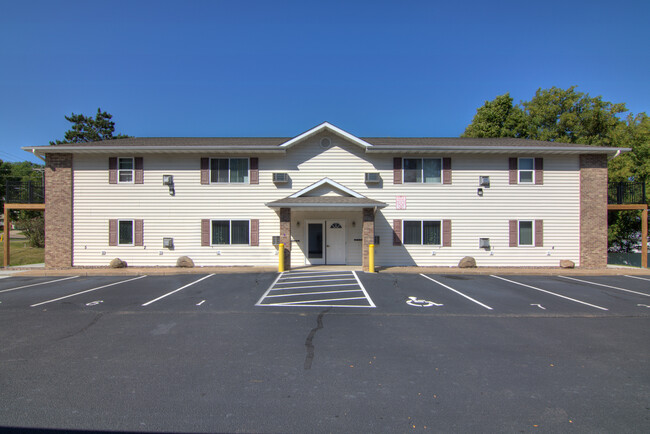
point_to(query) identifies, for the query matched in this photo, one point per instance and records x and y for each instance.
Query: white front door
(335, 241)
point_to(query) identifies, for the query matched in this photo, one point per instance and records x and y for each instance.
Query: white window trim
(422, 170)
(126, 170)
(230, 230)
(132, 243)
(421, 232)
(248, 167)
(532, 177)
(532, 222)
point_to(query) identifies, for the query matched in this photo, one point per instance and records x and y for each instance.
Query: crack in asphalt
(83, 329)
(309, 358)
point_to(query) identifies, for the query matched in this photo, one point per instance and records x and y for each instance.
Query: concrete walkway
(39, 270)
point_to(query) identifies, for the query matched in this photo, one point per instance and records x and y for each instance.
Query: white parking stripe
(176, 290)
(363, 288)
(457, 292)
(297, 273)
(549, 292)
(269, 289)
(312, 293)
(313, 286)
(310, 281)
(36, 284)
(87, 290)
(637, 277)
(309, 277)
(606, 286)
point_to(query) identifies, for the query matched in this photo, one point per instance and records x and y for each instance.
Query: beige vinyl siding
(556, 202)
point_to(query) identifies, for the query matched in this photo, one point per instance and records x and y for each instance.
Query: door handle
(328, 245)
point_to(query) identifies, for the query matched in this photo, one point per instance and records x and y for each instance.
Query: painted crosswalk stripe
(310, 284)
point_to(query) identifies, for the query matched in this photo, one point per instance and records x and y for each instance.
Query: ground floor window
(125, 232)
(526, 233)
(423, 232)
(230, 232)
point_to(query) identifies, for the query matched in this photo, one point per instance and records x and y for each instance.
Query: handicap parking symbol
(414, 301)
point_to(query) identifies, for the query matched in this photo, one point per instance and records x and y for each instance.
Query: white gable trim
(330, 183)
(322, 127)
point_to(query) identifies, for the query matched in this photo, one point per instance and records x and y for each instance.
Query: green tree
(569, 116)
(498, 118)
(89, 129)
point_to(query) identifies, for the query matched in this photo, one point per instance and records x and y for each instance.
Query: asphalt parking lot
(324, 351)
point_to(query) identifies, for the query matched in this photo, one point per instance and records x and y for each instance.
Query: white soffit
(329, 182)
(323, 127)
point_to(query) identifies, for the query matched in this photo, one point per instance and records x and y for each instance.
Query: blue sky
(278, 68)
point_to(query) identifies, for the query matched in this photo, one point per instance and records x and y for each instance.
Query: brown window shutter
(205, 171)
(112, 170)
(254, 172)
(397, 170)
(446, 170)
(539, 171)
(539, 233)
(446, 233)
(112, 232)
(205, 232)
(138, 239)
(512, 171)
(514, 232)
(139, 172)
(397, 232)
(255, 232)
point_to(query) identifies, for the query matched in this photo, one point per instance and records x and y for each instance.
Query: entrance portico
(335, 227)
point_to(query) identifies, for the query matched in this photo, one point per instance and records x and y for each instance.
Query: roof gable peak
(328, 182)
(326, 126)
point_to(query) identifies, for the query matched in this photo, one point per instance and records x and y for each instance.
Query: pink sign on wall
(400, 202)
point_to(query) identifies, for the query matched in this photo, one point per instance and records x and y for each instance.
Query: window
(125, 170)
(423, 170)
(125, 232)
(233, 170)
(230, 232)
(526, 233)
(422, 232)
(526, 168)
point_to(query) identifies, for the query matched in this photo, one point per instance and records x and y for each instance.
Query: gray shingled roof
(276, 141)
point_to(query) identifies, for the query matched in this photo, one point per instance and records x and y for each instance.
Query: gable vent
(325, 142)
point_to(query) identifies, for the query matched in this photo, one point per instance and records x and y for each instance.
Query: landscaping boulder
(467, 262)
(185, 262)
(118, 263)
(565, 263)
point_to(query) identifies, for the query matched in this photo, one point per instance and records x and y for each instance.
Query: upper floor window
(233, 170)
(422, 232)
(125, 170)
(526, 168)
(423, 170)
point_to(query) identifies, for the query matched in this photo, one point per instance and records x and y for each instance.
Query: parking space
(511, 295)
(389, 293)
(317, 289)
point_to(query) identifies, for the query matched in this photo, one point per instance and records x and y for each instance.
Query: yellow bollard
(371, 258)
(281, 258)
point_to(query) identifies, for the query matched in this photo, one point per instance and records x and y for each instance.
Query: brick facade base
(285, 235)
(368, 235)
(58, 210)
(593, 211)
